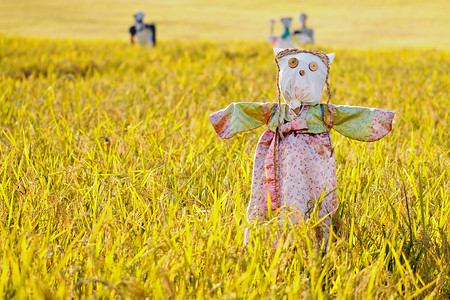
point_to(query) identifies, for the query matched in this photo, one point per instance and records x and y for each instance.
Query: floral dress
(303, 167)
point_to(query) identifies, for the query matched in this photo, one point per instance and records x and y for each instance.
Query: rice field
(113, 183)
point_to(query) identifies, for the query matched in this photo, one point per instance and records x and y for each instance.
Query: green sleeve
(361, 123)
(240, 117)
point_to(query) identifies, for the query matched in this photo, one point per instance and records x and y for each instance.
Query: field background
(380, 23)
(113, 183)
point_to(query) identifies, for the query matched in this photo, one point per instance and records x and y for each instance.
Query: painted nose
(301, 72)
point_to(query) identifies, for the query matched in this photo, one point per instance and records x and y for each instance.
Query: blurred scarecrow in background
(304, 35)
(285, 40)
(144, 33)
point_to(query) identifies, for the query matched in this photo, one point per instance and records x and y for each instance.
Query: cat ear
(331, 57)
(277, 50)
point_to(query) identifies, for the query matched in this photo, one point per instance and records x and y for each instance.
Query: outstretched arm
(361, 123)
(132, 33)
(152, 28)
(240, 117)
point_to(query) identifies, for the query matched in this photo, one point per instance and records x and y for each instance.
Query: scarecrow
(304, 35)
(286, 39)
(294, 165)
(145, 33)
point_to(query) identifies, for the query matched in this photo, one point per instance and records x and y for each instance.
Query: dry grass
(114, 184)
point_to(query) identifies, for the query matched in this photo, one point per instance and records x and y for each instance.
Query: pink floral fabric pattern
(382, 124)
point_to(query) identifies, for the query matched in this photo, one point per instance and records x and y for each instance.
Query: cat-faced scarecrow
(294, 161)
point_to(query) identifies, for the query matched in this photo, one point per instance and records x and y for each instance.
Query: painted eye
(293, 62)
(313, 66)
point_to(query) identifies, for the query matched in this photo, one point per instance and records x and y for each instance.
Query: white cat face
(302, 78)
